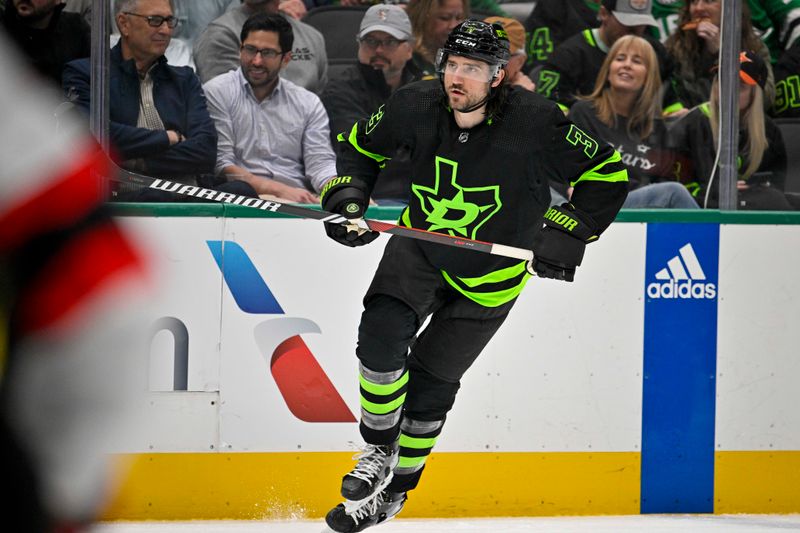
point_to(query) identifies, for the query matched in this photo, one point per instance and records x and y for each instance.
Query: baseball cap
(752, 69)
(515, 31)
(632, 12)
(388, 18)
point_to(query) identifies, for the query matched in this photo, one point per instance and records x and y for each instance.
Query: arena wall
(664, 380)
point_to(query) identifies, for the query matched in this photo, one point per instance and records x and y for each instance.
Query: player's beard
(466, 101)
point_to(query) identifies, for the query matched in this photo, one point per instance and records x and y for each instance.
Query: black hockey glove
(558, 248)
(347, 196)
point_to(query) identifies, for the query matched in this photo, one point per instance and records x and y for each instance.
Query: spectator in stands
(694, 49)
(273, 134)
(432, 21)
(160, 124)
(217, 50)
(384, 65)
(554, 21)
(762, 155)
(573, 68)
(777, 22)
(516, 42)
(787, 84)
(624, 110)
(48, 36)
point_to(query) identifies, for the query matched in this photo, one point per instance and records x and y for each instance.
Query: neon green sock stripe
(418, 443)
(382, 408)
(383, 389)
(409, 462)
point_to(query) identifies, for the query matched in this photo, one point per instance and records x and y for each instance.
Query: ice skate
(371, 475)
(376, 510)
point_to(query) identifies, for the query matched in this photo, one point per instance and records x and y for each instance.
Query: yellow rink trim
(757, 482)
(215, 486)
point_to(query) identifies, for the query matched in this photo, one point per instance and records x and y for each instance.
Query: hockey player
(481, 156)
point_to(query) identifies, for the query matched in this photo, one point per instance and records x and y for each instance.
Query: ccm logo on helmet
(464, 41)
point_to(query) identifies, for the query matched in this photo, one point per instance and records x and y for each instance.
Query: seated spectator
(624, 110)
(273, 134)
(694, 49)
(787, 84)
(762, 155)
(573, 68)
(46, 35)
(777, 23)
(384, 65)
(160, 125)
(432, 21)
(217, 50)
(554, 21)
(516, 60)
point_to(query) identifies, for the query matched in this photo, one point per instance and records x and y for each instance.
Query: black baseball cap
(752, 69)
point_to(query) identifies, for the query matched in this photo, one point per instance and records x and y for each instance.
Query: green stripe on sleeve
(354, 142)
(595, 175)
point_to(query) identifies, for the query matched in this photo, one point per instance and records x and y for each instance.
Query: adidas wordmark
(682, 278)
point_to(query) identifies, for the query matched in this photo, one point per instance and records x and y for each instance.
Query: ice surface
(601, 524)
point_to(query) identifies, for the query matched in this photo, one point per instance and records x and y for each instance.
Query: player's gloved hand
(558, 248)
(347, 196)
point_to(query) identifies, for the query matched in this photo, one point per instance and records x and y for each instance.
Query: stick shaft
(324, 216)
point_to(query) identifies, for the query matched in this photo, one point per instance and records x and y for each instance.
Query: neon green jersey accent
(495, 298)
(594, 175)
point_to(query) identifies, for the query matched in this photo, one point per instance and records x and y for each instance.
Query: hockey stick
(194, 191)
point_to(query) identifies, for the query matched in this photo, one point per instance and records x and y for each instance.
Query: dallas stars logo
(456, 209)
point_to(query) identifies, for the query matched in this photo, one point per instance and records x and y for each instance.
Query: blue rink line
(680, 351)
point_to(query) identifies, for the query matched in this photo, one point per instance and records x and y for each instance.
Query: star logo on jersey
(457, 210)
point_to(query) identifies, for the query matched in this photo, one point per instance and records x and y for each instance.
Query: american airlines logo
(682, 278)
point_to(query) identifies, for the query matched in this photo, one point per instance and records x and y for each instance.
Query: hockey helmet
(477, 40)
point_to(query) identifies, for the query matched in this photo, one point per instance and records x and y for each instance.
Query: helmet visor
(465, 67)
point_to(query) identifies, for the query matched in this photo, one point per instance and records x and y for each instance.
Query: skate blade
(351, 506)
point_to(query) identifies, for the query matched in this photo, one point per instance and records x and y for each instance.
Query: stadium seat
(790, 130)
(339, 25)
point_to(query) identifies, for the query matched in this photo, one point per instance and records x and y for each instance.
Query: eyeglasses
(266, 53)
(156, 20)
(388, 44)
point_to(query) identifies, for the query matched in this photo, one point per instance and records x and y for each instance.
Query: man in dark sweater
(46, 35)
(384, 65)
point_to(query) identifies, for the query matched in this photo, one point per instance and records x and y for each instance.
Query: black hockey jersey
(489, 182)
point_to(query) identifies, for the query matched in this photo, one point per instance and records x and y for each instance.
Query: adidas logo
(682, 278)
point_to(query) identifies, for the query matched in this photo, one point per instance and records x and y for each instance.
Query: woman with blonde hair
(624, 111)
(432, 21)
(762, 154)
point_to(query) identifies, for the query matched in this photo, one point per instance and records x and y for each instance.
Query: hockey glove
(558, 248)
(347, 196)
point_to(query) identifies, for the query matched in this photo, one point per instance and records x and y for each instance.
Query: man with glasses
(273, 134)
(160, 124)
(217, 49)
(384, 65)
